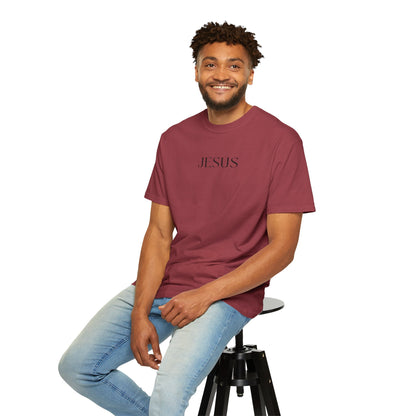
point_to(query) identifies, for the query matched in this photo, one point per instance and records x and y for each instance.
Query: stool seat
(271, 305)
(243, 365)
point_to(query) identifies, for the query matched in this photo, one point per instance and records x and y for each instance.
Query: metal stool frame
(243, 365)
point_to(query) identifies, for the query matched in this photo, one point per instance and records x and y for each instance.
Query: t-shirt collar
(222, 128)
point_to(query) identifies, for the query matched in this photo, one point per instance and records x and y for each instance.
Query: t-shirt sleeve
(156, 189)
(290, 189)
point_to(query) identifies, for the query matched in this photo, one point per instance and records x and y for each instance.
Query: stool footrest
(241, 382)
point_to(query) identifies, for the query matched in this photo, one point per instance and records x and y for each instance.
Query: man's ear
(251, 76)
(196, 73)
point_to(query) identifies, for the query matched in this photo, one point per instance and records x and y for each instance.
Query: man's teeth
(221, 87)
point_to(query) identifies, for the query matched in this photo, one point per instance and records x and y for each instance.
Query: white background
(86, 89)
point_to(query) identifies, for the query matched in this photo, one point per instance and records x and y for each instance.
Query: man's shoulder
(274, 127)
(189, 123)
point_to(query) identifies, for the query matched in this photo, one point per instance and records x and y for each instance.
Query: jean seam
(124, 395)
(111, 385)
(107, 354)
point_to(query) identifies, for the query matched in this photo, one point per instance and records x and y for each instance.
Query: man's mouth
(221, 86)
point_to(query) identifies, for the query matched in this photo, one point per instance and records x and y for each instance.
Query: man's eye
(209, 65)
(234, 66)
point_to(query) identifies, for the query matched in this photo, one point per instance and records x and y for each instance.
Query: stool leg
(266, 384)
(256, 396)
(209, 393)
(223, 386)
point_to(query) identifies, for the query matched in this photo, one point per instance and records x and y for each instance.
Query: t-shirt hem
(248, 314)
(286, 210)
(155, 198)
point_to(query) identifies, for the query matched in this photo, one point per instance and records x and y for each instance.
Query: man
(233, 181)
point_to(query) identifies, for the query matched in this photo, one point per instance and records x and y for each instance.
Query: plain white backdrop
(86, 89)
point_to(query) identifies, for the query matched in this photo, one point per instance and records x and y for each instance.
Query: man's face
(223, 73)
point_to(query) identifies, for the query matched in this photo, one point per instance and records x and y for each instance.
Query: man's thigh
(192, 353)
(104, 344)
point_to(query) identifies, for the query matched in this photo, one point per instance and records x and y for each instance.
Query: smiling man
(233, 181)
(223, 73)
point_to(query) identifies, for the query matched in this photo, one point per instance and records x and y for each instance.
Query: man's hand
(185, 307)
(144, 333)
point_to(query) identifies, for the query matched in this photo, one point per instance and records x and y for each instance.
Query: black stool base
(239, 367)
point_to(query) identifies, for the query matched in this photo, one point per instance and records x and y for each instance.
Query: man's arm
(153, 258)
(283, 232)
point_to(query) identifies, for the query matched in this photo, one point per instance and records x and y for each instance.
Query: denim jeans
(90, 364)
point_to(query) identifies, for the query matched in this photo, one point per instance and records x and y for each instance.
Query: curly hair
(229, 33)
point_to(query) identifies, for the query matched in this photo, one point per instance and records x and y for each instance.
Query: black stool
(243, 365)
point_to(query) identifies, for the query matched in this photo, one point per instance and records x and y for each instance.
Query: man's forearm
(255, 271)
(153, 258)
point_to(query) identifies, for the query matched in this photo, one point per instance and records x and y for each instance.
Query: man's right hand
(144, 333)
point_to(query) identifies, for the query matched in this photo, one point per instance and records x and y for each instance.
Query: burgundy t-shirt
(220, 182)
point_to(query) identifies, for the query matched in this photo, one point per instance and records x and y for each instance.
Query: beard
(224, 105)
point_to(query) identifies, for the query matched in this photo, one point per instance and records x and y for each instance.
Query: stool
(243, 365)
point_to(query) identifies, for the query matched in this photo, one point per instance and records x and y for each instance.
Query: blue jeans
(90, 364)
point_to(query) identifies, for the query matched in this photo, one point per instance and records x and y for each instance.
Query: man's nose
(221, 74)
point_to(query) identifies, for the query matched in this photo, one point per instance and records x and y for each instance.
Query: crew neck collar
(222, 128)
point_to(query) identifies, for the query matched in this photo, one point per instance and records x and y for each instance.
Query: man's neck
(228, 116)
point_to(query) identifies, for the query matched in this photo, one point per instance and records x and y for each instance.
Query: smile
(222, 87)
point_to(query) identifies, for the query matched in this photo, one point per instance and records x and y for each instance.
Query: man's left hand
(185, 308)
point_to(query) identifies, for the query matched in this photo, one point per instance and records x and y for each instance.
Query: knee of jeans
(74, 371)
(68, 368)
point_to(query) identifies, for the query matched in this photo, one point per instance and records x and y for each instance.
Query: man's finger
(149, 360)
(154, 342)
(183, 323)
(153, 362)
(137, 355)
(174, 317)
(179, 319)
(170, 312)
(143, 352)
(166, 308)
